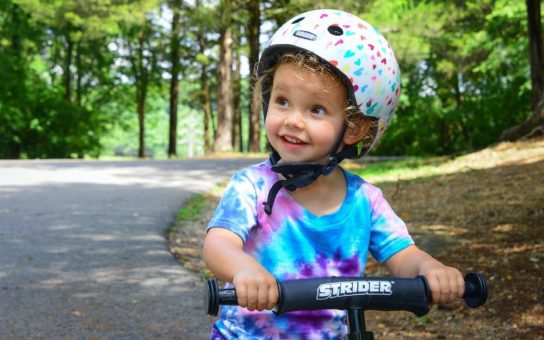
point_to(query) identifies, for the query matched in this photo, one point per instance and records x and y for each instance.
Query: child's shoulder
(258, 172)
(359, 183)
(258, 169)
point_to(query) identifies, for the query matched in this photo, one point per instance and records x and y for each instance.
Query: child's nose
(295, 119)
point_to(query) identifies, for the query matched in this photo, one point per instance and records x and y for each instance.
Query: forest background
(171, 78)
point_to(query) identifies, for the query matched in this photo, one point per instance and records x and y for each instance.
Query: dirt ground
(480, 212)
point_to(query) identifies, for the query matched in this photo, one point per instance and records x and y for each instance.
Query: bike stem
(356, 324)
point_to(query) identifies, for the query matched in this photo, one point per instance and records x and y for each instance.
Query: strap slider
(329, 167)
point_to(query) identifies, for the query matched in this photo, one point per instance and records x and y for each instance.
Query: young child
(329, 85)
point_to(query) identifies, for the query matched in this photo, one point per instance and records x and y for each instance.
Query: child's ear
(354, 134)
(357, 130)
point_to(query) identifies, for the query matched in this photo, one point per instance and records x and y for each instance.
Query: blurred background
(171, 78)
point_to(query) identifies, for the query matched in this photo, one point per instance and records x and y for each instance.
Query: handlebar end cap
(477, 290)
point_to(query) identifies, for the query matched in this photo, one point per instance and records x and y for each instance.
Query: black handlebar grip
(475, 290)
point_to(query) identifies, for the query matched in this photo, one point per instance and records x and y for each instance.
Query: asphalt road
(83, 253)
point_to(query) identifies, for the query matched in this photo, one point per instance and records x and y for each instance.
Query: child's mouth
(292, 140)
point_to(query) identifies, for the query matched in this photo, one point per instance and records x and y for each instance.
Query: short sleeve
(388, 234)
(236, 210)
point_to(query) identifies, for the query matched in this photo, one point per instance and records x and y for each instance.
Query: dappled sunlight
(156, 282)
(63, 227)
(444, 230)
(93, 237)
(54, 282)
(475, 246)
(155, 252)
(503, 228)
(144, 281)
(145, 174)
(524, 249)
(148, 237)
(506, 153)
(147, 177)
(59, 250)
(534, 317)
(502, 155)
(87, 295)
(107, 275)
(115, 236)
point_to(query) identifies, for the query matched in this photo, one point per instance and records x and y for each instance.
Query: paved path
(83, 253)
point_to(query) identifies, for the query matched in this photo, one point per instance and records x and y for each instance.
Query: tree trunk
(140, 107)
(237, 111)
(14, 148)
(204, 96)
(79, 74)
(459, 105)
(536, 56)
(67, 74)
(531, 126)
(223, 139)
(174, 82)
(253, 39)
(205, 101)
(141, 92)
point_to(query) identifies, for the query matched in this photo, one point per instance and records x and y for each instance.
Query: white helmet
(357, 52)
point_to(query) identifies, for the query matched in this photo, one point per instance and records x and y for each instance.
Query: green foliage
(38, 117)
(35, 121)
(121, 136)
(69, 79)
(465, 74)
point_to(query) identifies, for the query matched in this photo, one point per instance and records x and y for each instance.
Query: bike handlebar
(368, 293)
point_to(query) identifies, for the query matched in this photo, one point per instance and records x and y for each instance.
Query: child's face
(305, 114)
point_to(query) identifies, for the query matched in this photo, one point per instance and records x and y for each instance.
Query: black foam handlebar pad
(376, 293)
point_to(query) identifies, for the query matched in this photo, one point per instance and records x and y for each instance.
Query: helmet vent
(297, 20)
(305, 35)
(335, 30)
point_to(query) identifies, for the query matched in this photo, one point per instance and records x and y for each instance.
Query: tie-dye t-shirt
(293, 243)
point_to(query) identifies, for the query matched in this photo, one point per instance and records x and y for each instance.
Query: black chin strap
(299, 175)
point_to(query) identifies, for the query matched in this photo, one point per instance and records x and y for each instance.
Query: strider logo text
(361, 287)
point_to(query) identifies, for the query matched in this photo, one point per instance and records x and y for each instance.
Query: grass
(186, 235)
(193, 208)
(197, 204)
(407, 168)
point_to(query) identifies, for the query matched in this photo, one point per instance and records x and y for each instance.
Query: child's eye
(318, 110)
(282, 102)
